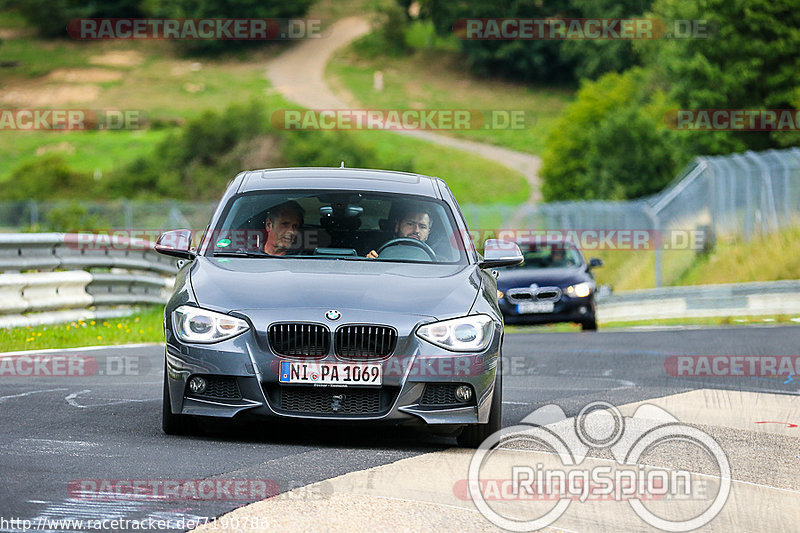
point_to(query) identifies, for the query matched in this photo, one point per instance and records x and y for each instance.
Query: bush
(612, 142)
(49, 177)
(750, 60)
(595, 57)
(197, 161)
(72, 218)
(50, 17)
(550, 61)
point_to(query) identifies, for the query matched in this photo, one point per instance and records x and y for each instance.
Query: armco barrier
(47, 278)
(728, 300)
(55, 277)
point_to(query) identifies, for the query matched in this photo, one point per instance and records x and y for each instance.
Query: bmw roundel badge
(333, 314)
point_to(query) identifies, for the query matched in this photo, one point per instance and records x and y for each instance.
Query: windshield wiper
(242, 253)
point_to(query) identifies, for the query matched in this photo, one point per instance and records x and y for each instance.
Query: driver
(283, 227)
(557, 256)
(414, 223)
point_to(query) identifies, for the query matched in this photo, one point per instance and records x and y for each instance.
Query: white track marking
(71, 400)
(4, 398)
(83, 348)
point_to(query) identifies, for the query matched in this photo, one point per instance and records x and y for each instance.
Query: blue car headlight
(194, 324)
(466, 334)
(579, 290)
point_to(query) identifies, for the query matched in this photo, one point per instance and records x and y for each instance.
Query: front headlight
(579, 290)
(193, 324)
(466, 334)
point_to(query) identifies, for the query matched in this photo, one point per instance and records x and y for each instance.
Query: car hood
(234, 284)
(544, 277)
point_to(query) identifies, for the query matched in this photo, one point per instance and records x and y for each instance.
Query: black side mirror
(176, 243)
(595, 262)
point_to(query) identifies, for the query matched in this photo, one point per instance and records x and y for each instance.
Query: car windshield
(357, 226)
(550, 256)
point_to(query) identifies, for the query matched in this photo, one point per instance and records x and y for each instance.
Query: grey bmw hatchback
(339, 295)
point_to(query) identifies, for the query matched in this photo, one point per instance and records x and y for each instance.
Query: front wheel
(473, 435)
(589, 325)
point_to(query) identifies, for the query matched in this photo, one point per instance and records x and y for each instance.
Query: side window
(460, 215)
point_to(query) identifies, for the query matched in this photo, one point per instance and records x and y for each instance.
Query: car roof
(339, 178)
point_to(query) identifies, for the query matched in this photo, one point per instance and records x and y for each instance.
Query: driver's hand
(372, 254)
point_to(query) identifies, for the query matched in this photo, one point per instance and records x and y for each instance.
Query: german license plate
(535, 307)
(330, 373)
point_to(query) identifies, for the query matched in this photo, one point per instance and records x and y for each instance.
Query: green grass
(172, 89)
(433, 76)
(765, 258)
(145, 326)
(471, 178)
(84, 151)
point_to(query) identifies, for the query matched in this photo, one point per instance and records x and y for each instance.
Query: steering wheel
(407, 241)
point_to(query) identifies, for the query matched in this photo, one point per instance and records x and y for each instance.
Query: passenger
(283, 228)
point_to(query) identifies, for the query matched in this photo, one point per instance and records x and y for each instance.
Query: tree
(612, 142)
(750, 60)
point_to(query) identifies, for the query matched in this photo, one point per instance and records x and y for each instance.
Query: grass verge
(169, 90)
(432, 76)
(704, 321)
(144, 326)
(771, 257)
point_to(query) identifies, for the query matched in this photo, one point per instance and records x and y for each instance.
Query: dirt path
(299, 74)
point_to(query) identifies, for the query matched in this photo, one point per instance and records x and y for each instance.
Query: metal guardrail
(55, 277)
(728, 300)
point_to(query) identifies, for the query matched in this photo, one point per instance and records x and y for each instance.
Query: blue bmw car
(553, 284)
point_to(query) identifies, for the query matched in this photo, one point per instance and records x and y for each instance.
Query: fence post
(766, 178)
(653, 215)
(126, 206)
(34, 213)
(748, 196)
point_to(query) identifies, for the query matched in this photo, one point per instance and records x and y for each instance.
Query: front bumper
(566, 309)
(247, 366)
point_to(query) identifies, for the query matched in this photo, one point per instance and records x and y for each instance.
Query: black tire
(473, 435)
(171, 423)
(589, 325)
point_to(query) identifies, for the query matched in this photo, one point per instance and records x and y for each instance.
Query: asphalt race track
(60, 431)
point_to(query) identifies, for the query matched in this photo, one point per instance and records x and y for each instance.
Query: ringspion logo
(560, 477)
